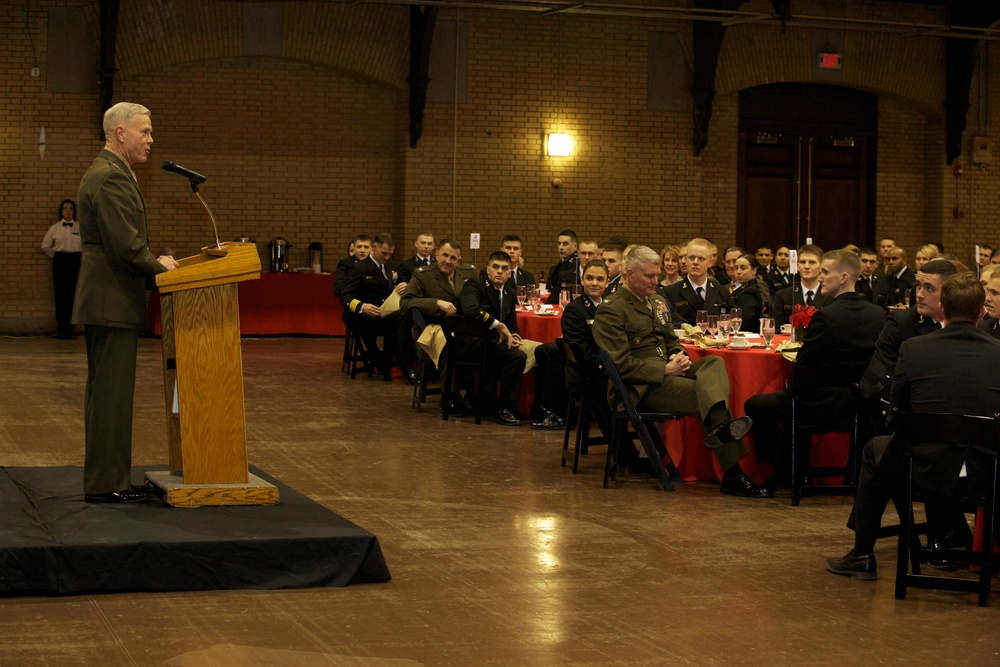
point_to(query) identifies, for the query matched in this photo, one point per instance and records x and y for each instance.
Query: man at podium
(111, 299)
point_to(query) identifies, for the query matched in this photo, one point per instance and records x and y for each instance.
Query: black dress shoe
(455, 406)
(859, 567)
(550, 421)
(741, 485)
(412, 378)
(506, 418)
(133, 494)
(945, 543)
(731, 430)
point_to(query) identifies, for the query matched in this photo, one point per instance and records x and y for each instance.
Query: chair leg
(986, 566)
(611, 460)
(566, 432)
(582, 435)
(796, 473)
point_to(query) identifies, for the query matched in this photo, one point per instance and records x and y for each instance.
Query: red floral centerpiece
(801, 317)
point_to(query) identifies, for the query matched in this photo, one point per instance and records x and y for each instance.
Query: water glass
(564, 297)
(522, 294)
(767, 330)
(724, 322)
(713, 325)
(701, 320)
(736, 318)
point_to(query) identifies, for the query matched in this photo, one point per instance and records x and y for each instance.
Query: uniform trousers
(703, 391)
(111, 353)
(65, 271)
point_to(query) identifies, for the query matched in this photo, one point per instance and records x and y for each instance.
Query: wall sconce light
(41, 144)
(558, 145)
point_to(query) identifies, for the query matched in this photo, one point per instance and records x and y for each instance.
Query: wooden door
(806, 166)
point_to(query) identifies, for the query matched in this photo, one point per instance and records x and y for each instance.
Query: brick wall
(310, 142)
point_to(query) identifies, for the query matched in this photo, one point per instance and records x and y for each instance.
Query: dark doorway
(806, 165)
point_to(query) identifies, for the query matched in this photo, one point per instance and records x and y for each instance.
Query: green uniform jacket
(639, 341)
(428, 285)
(116, 259)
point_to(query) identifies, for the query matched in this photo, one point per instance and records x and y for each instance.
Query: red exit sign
(829, 61)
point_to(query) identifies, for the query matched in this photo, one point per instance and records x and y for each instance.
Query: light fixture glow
(558, 145)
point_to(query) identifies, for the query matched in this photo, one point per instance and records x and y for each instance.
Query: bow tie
(67, 224)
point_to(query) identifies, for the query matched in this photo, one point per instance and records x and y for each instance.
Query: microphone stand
(194, 189)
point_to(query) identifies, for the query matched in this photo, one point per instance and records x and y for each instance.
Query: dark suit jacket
(520, 277)
(577, 323)
(366, 284)
(786, 299)
(111, 290)
(990, 325)
(777, 282)
(481, 306)
(877, 292)
(685, 301)
(900, 326)
(896, 287)
(565, 272)
(844, 334)
(342, 273)
(955, 370)
(613, 285)
(409, 265)
(748, 298)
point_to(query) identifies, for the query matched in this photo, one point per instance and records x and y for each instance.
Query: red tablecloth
(751, 371)
(542, 328)
(281, 303)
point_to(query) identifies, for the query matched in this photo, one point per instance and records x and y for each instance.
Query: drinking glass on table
(564, 298)
(701, 320)
(713, 325)
(736, 319)
(767, 330)
(531, 294)
(577, 290)
(522, 294)
(725, 319)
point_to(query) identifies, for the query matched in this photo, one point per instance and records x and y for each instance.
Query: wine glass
(522, 295)
(724, 321)
(531, 295)
(713, 325)
(701, 320)
(564, 298)
(736, 318)
(767, 330)
(577, 290)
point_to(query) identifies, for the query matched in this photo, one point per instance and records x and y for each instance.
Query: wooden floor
(499, 556)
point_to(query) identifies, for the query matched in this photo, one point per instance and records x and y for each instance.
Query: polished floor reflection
(499, 556)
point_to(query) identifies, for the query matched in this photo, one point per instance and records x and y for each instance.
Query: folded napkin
(691, 331)
(706, 342)
(788, 349)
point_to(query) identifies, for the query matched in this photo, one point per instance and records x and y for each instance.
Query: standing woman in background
(62, 244)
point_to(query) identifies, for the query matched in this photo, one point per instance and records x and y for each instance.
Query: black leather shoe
(455, 406)
(859, 567)
(506, 418)
(134, 494)
(741, 485)
(550, 421)
(412, 378)
(942, 544)
(731, 430)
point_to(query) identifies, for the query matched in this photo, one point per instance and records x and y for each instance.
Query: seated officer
(805, 289)
(360, 247)
(699, 290)
(954, 370)
(634, 327)
(489, 308)
(370, 281)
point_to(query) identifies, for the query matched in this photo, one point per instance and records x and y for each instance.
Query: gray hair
(120, 114)
(640, 254)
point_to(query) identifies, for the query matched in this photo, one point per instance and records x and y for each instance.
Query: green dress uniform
(639, 336)
(111, 304)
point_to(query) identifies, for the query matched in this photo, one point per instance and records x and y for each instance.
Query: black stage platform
(51, 541)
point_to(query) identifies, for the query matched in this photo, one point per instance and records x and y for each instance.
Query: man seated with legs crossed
(635, 328)
(489, 307)
(955, 370)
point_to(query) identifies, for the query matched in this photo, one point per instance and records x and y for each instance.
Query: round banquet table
(542, 328)
(751, 371)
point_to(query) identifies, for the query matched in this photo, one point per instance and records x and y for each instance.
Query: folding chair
(453, 326)
(979, 442)
(587, 410)
(420, 390)
(802, 427)
(651, 442)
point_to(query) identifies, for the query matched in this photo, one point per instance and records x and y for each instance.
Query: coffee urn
(279, 254)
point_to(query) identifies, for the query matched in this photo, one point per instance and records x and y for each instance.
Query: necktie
(701, 294)
(809, 298)
(384, 275)
(500, 291)
(513, 275)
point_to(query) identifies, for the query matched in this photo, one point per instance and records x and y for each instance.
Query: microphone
(193, 176)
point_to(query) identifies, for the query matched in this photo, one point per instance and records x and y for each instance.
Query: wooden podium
(203, 381)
